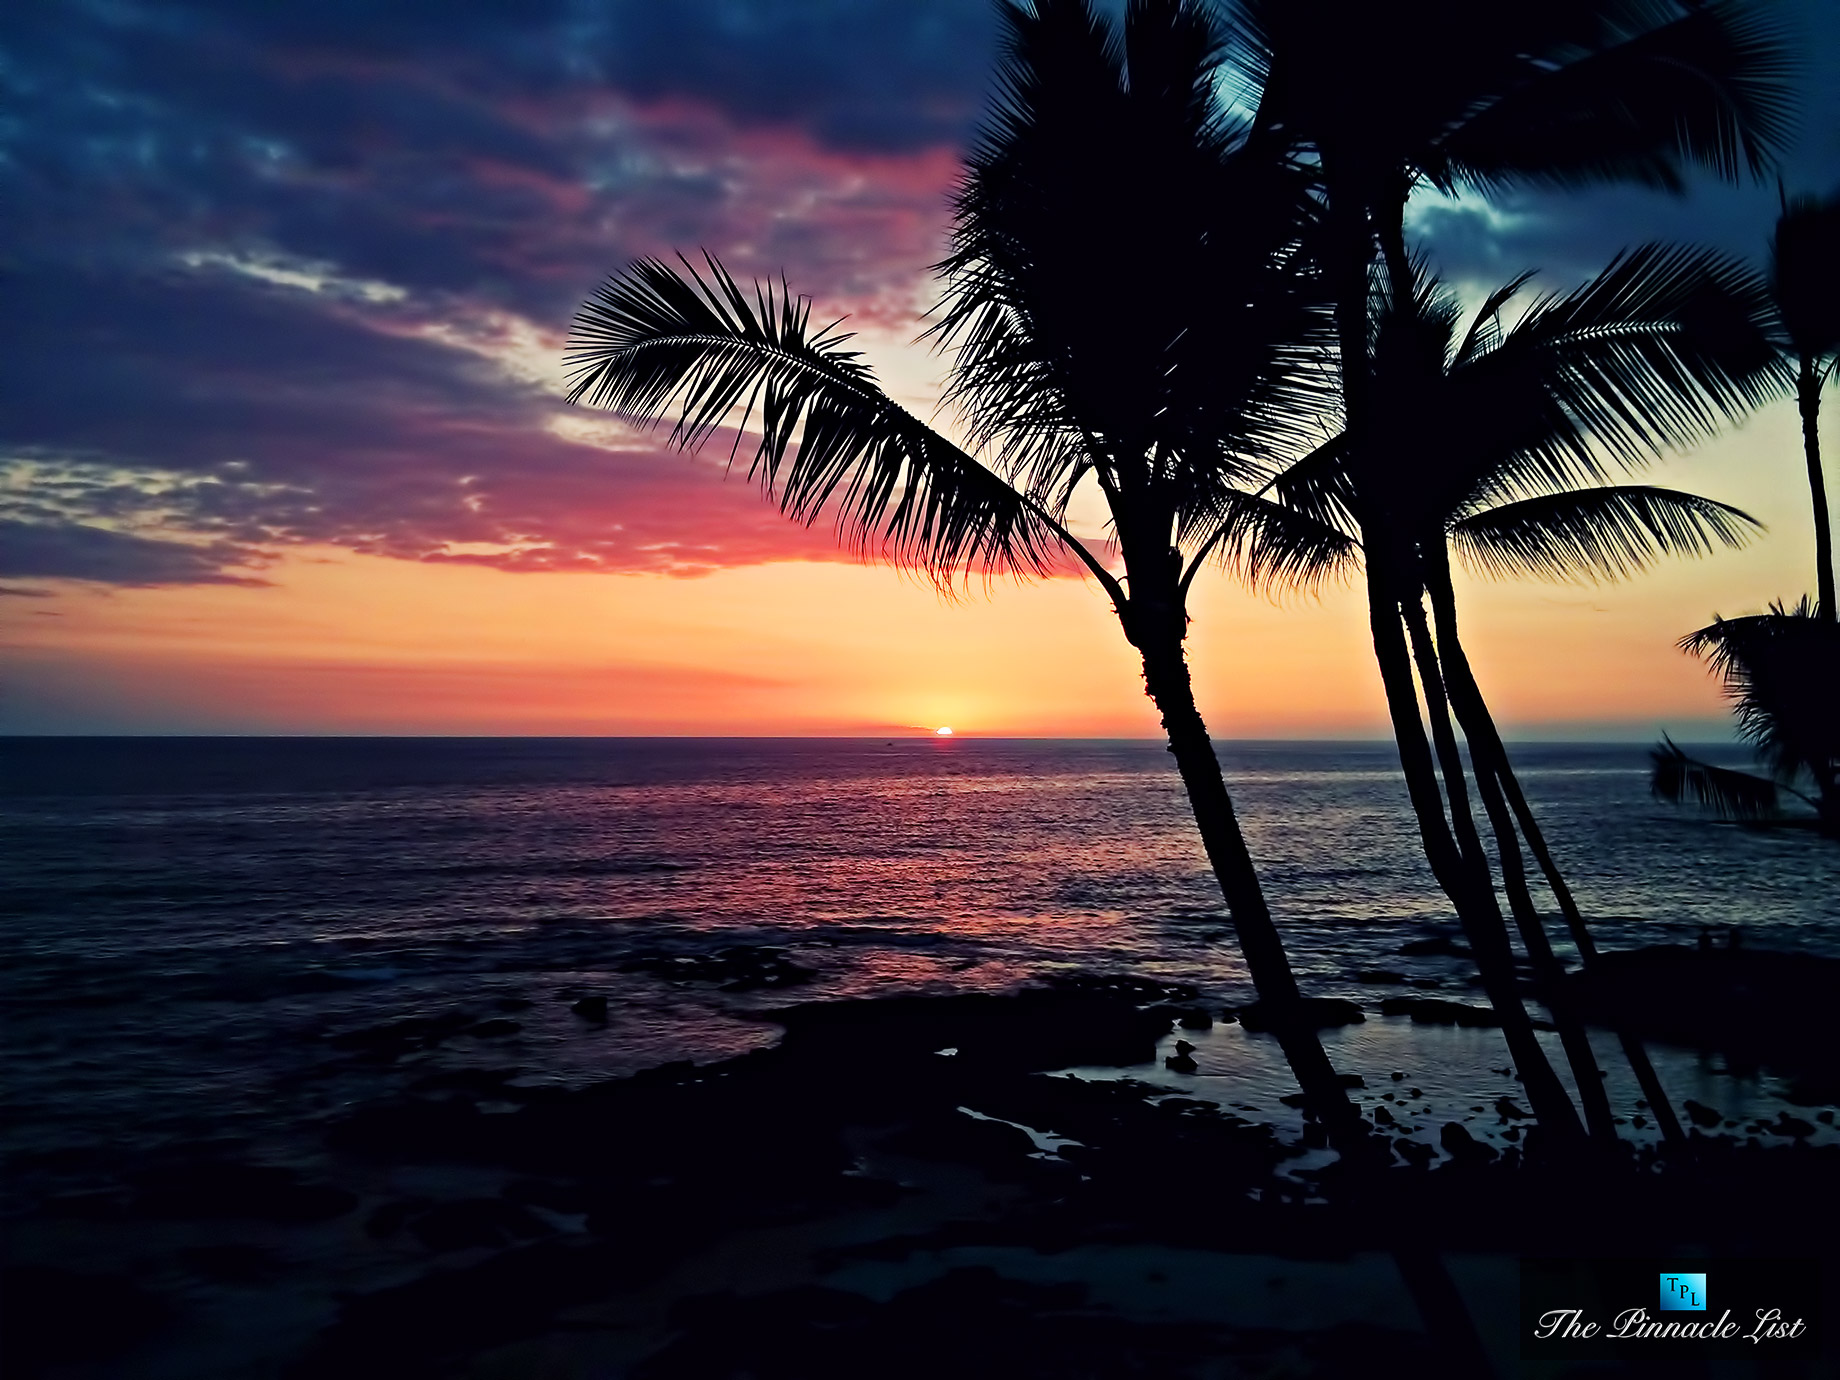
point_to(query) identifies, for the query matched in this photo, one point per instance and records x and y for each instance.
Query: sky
(283, 447)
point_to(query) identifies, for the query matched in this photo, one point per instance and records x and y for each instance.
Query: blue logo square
(1683, 1292)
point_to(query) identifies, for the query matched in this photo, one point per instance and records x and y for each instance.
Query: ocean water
(194, 932)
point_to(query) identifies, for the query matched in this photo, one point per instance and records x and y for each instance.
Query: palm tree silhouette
(1381, 98)
(1782, 673)
(1781, 667)
(1170, 393)
(1805, 281)
(1532, 416)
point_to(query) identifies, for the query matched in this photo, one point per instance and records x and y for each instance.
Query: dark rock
(1179, 1063)
(1139, 991)
(953, 1136)
(736, 968)
(472, 1222)
(396, 1038)
(1461, 1146)
(1793, 1126)
(1415, 1152)
(592, 1008)
(1432, 1011)
(1509, 1112)
(1701, 1114)
(62, 1321)
(232, 1262)
(1399, 1077)
(470, 1082)
(1316, 1013)
(548, 1193)
(212, 1191)
(1034, 1029)
(410, 1330)
(1383, 1117)
(387, 1219)
(1756, 1006)
(1184, 1047)
(513, 1003)
(1195, 1020)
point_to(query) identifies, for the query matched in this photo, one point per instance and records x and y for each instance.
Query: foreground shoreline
(857, 1188)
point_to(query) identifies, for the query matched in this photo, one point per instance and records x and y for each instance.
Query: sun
(942, 732)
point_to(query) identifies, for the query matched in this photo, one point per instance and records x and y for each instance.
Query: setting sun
(942, 732)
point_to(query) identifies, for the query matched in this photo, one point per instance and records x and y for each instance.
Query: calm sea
(188, 927)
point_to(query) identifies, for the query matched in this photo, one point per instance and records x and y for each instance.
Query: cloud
(300, 274)
(72, 551)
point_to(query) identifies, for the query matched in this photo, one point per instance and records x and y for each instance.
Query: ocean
(200, 938)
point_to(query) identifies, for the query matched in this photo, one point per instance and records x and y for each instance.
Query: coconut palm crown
(1167, 386)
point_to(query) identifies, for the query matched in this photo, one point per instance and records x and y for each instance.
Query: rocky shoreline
(709, 1220)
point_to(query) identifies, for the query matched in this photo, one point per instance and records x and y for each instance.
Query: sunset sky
(283, 448)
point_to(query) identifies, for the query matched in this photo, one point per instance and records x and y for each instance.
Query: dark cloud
(854, 75)
(72, 551)
(282, 275)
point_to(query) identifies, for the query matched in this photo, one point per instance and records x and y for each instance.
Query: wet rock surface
(1752, 1005)
(494, 1208)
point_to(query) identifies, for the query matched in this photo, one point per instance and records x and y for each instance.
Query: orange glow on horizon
(346, 643)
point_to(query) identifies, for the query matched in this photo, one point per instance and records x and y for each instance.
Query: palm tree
(1530, 415)
(1379, 98)
(1805, 281)
(1780, 667)
(1782, 673)
(1168, 392)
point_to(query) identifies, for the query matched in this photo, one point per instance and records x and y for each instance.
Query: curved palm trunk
(1547, 973)
(1486, 932)
(1490, 755)
(1166, 679)
(1808, 401)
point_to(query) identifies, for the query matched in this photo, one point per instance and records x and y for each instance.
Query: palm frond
(1660, 350)
(1270, 546)
(1678, 778)
(1805, 274)
(1659, 86)
(1605, 532)
(1125, 281)
(1781, 672)
(654, 343)
(1320, 485)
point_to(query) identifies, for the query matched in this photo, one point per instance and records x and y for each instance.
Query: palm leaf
(1782, 674)
(1805, 274)
(1665, 85)
(1604, 532)
(656, 343)
(1125, 286)
(1268, 545)
(1658, 351)
(1731, 794)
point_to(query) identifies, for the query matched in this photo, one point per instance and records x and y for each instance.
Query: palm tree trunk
(1491, 757)
(1808, 400)
(1487, 934)
(1166, 679)
(1547, 973)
